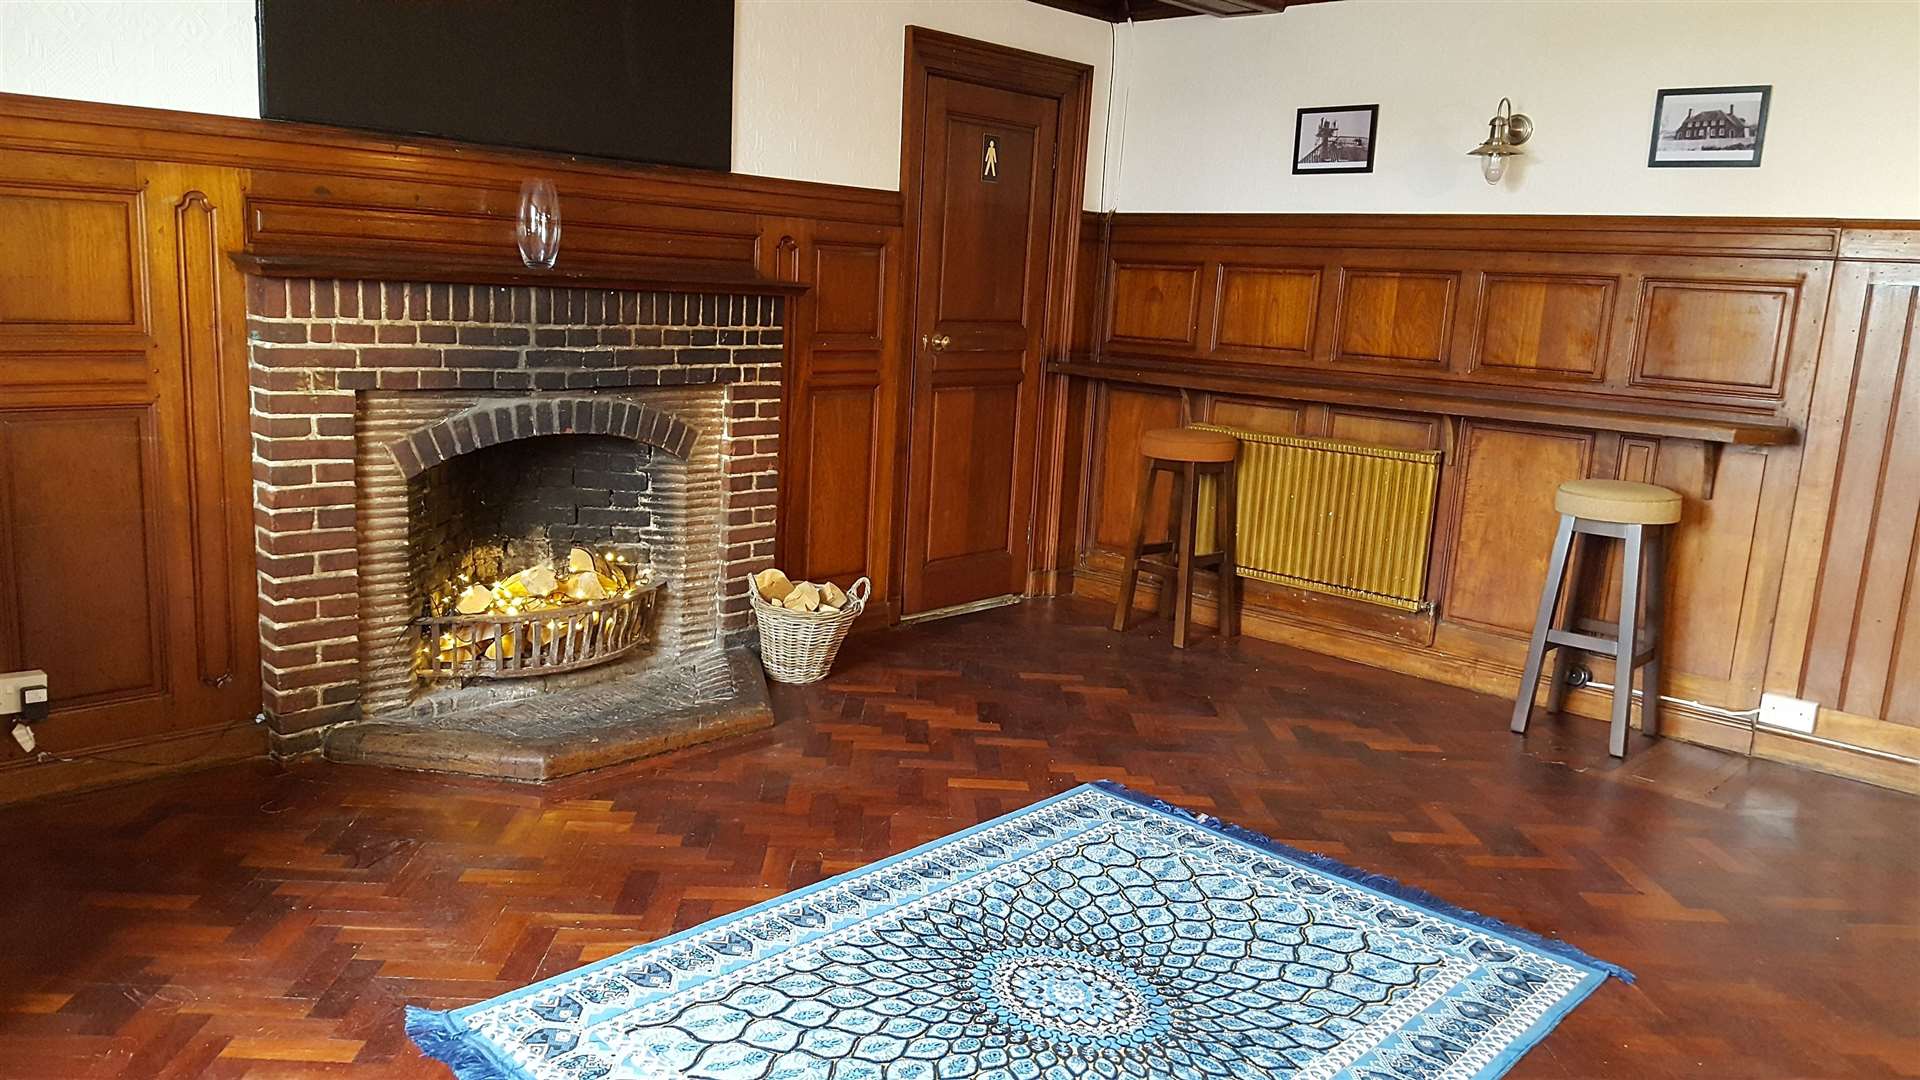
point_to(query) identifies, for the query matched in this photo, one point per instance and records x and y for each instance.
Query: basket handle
(858, 592)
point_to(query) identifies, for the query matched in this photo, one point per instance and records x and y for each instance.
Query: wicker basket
(799, 646)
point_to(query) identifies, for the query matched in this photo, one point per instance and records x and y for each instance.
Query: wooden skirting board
(1860, 747)
(136, 759)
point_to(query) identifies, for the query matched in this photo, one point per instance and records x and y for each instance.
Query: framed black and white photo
(1713, 127)
(1334, 139)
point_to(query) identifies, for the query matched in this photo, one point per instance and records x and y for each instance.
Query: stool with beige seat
(1188, 454)
(1638, 515)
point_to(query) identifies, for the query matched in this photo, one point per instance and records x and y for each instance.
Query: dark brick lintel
(493, 422)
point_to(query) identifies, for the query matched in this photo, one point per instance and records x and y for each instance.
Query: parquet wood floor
(259, 921)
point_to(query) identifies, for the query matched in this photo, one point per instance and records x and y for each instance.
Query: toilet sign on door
(990, 159)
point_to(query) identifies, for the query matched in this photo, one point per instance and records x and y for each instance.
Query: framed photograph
(1334, 139)
(1709, 127)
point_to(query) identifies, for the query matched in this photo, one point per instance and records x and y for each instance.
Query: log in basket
(495, 646)
(799, 646)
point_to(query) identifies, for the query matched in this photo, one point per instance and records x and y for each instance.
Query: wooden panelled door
(985, 188)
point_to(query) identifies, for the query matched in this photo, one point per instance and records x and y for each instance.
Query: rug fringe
(446, 1040)
(1377, 882)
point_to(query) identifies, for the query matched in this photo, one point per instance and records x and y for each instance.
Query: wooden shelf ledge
(673, 275)
(1706, 426)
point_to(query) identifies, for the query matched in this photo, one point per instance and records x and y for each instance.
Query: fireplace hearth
(505, 530)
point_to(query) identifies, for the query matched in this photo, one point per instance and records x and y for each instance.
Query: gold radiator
(1333, 517)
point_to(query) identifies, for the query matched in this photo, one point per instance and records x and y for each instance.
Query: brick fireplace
(398, 423)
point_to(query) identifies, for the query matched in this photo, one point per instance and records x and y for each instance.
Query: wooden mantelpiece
(1483, 403)
(465, 270)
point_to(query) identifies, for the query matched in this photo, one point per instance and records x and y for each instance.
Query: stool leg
(1656, 588)
(1537, 645)
(1169, 581)
(1226, 526)
(1184, 540)
(1563, 657)
(1130, 570)
(1623, 649)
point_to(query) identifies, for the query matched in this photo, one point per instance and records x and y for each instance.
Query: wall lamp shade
(537, 227)
(1505, 133)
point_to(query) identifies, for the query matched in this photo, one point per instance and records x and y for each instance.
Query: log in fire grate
(536, 621)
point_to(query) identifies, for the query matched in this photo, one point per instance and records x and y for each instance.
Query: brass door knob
(935, 342)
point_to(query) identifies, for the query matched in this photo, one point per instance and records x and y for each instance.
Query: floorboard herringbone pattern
(259, 922)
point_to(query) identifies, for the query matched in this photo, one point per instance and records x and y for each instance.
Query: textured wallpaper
(196, 55)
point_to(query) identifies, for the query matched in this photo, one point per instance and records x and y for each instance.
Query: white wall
(193, 55)
(817, 84)
(1205, 107)
(1208, 117)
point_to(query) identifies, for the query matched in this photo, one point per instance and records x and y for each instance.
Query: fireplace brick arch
(493, 422)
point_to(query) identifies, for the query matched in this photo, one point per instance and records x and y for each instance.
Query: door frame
(932, 53)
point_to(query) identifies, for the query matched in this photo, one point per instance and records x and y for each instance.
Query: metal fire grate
(494, 646)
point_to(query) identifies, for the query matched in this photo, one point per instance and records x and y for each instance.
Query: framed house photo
(1334, 139)
(1709, 127)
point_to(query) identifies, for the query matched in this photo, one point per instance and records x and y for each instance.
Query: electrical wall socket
(1788, 713)
(23, 691)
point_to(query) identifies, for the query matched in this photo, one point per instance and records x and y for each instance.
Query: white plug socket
(1788, 713)
(23, 691)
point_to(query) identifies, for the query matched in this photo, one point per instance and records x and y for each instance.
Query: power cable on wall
(1111, 157)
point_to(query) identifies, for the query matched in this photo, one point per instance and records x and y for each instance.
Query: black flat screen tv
(634, 80)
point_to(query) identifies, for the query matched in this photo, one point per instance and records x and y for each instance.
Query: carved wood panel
(1155, 304)
(1263, 310)
(842, 429)
(86, 593)
(71, 263)
(1396, 318)
(1123, 415)
(1726, 337)
(838, 470)
(1269, 417)
(1506, 522)
(1543, 326)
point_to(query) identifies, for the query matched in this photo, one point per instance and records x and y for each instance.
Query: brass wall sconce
(1505, 134)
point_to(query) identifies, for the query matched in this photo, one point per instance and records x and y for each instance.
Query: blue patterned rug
(1099, 933)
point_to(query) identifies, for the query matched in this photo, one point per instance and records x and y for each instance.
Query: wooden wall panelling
(1404, 431)
(1721, 337)
(839, 465)
(1629, 328)
(1395, 318)
(1544, 326)
(1123, 414)
(334, 156)
(1269, 417)
(1685, 324)
(1266, 313)
(1155, 304)
(1849, 601)
(125, 458)
(1506, 521)
(1087, 319)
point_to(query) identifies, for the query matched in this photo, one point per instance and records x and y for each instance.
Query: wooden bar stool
(1638, 515)
(1187, 454)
